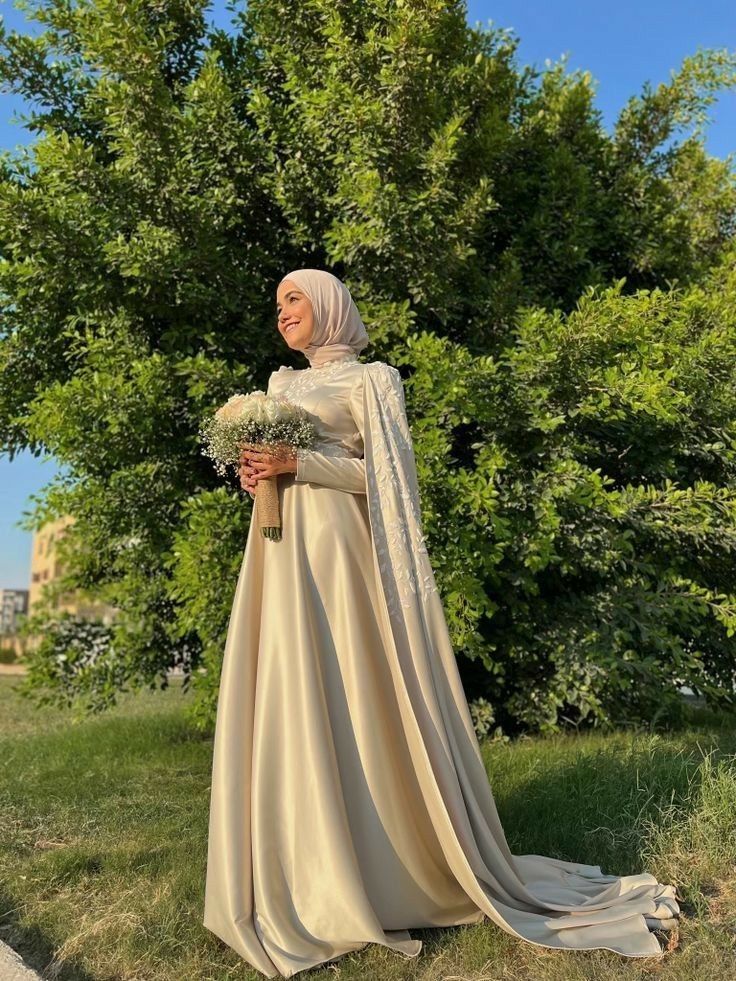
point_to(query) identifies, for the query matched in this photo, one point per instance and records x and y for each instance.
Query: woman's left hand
(263, 464)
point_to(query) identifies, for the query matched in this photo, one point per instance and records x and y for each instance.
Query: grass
(103, 841)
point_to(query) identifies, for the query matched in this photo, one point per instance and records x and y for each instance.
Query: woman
(350, 802)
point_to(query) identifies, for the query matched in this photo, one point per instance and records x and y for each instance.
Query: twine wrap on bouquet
(266, 504)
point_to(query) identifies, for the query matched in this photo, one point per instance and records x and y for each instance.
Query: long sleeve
(344, 473)
(341, 472)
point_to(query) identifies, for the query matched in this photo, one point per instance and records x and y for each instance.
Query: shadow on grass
(589, 801)
(34, 946)
(599, 807)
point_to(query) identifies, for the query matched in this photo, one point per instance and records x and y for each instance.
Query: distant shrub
(74, 663)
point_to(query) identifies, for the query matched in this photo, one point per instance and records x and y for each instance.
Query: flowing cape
(549, 902)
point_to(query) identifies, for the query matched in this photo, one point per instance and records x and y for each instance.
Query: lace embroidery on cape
(393, 492)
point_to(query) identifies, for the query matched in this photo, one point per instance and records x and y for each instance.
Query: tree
(180, 170)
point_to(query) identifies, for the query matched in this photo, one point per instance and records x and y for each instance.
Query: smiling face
(295, 315)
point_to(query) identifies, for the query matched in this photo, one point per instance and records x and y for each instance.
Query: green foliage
(579, 492)
(206, 554)
(179, 170)
(76, 663)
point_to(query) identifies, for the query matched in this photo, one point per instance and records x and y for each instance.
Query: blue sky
(623, 45)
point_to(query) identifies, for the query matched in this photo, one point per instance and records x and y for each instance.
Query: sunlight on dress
(349, 800)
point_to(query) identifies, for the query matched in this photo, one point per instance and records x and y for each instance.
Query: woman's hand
(256, 465)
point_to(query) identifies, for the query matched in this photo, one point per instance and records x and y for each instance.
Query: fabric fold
(533, 897)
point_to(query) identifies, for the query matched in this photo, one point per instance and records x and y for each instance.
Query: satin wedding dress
(349, 799)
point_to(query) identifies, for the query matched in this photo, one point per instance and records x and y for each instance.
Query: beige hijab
(338, 328)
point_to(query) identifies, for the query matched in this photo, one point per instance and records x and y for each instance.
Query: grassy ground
(103, 839)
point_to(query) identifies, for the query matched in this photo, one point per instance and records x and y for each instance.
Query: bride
(349, 800)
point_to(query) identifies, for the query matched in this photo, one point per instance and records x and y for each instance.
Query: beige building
(45, 566)
(46, 569)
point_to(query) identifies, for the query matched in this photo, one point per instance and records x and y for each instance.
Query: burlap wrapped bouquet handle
(267, 512)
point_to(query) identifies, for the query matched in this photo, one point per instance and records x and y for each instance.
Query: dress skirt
(318, 797)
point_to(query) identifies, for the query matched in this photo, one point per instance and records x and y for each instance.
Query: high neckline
(344, 360)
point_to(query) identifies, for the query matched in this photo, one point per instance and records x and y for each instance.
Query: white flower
(232, 408)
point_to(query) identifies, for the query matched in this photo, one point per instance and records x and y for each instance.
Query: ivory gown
(350, 802)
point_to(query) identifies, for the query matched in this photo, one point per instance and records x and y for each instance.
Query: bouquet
(257, 421)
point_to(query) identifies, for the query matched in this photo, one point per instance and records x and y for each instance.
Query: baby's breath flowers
(271, 424)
